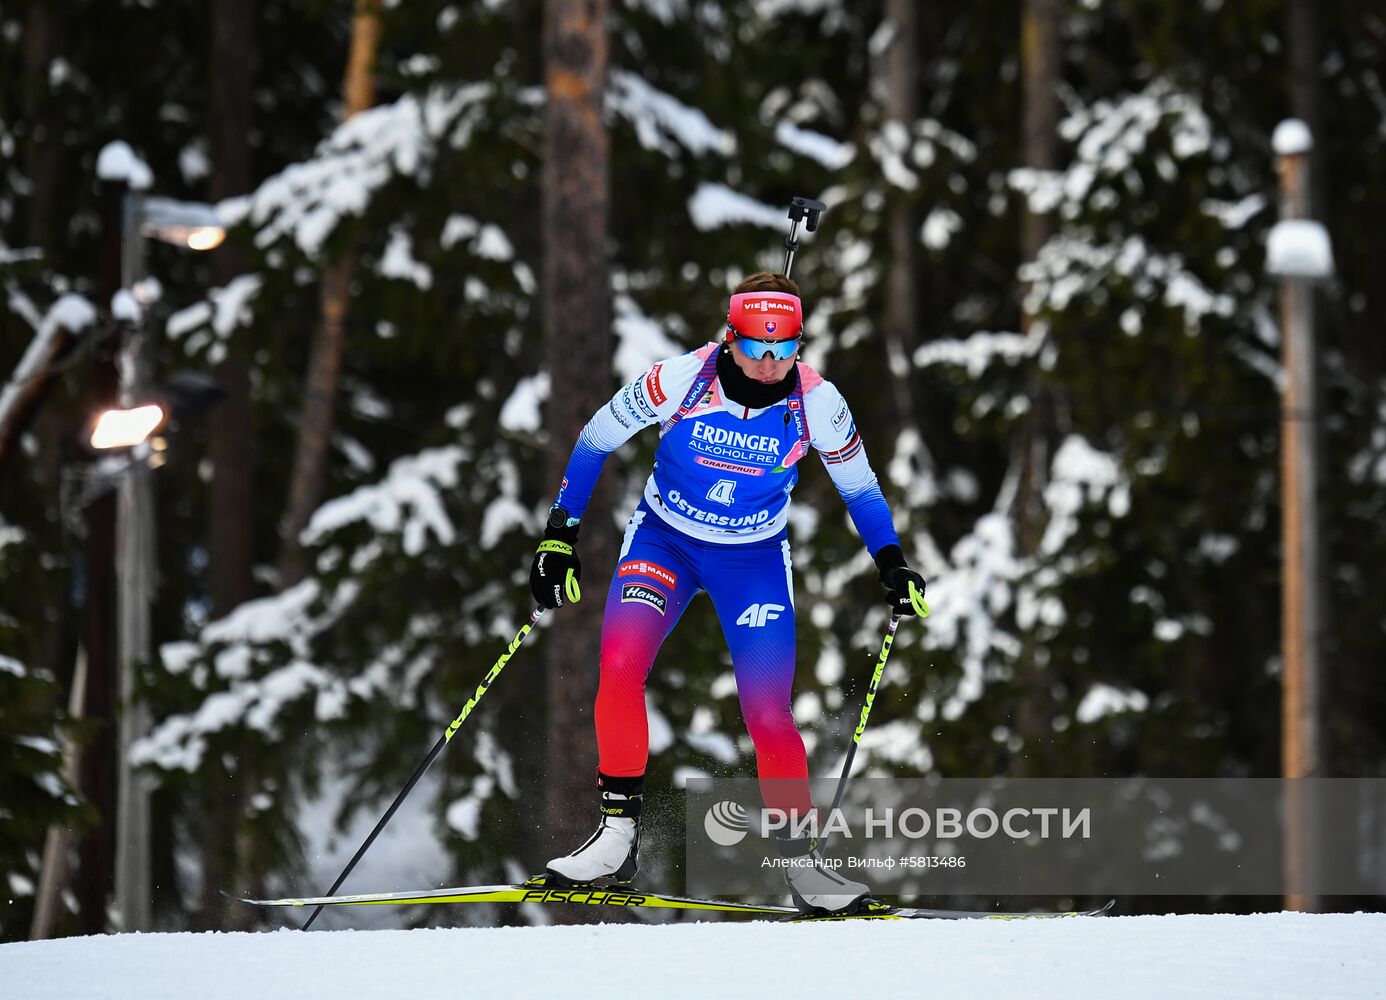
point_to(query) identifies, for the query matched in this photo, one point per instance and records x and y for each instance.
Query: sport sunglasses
(759, 350)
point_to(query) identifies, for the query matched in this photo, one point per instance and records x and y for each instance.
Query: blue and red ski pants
(752, 590)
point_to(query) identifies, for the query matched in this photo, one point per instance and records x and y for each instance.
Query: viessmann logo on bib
(767, 306)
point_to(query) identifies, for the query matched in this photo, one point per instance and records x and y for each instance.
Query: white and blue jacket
(724, 472)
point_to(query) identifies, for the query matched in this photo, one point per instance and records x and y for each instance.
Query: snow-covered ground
(1215, 957)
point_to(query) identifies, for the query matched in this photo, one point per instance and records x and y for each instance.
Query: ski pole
(917, 599)
(443, 741)
(804, 210)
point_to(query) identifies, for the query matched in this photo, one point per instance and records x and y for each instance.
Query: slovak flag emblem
(769, 327)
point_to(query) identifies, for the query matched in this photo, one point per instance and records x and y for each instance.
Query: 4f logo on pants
(758, 614)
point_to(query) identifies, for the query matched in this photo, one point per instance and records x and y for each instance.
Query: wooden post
(1300, 592)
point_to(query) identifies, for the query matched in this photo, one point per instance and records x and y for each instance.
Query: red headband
(766, 315)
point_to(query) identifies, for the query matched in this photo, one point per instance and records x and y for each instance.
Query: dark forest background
(1041, 283)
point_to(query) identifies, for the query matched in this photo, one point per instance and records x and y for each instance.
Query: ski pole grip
(921, 608)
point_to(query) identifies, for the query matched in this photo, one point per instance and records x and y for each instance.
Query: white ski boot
(609, 855)
(815, 886)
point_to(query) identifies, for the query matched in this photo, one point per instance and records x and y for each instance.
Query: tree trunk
(577, 343)
(96, 766)
(1041, 59)
(902, 299)
(325, 360)
(231, 528)
(24, 395)
(42, 161)
(231, 524)
(54, 873)
(1041, 66)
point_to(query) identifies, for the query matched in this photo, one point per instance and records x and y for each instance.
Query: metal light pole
(134, 591)
(195, 227)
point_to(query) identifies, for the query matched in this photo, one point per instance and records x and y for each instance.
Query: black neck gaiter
(745, 391)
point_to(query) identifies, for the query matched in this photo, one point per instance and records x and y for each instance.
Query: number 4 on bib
(722, 492)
